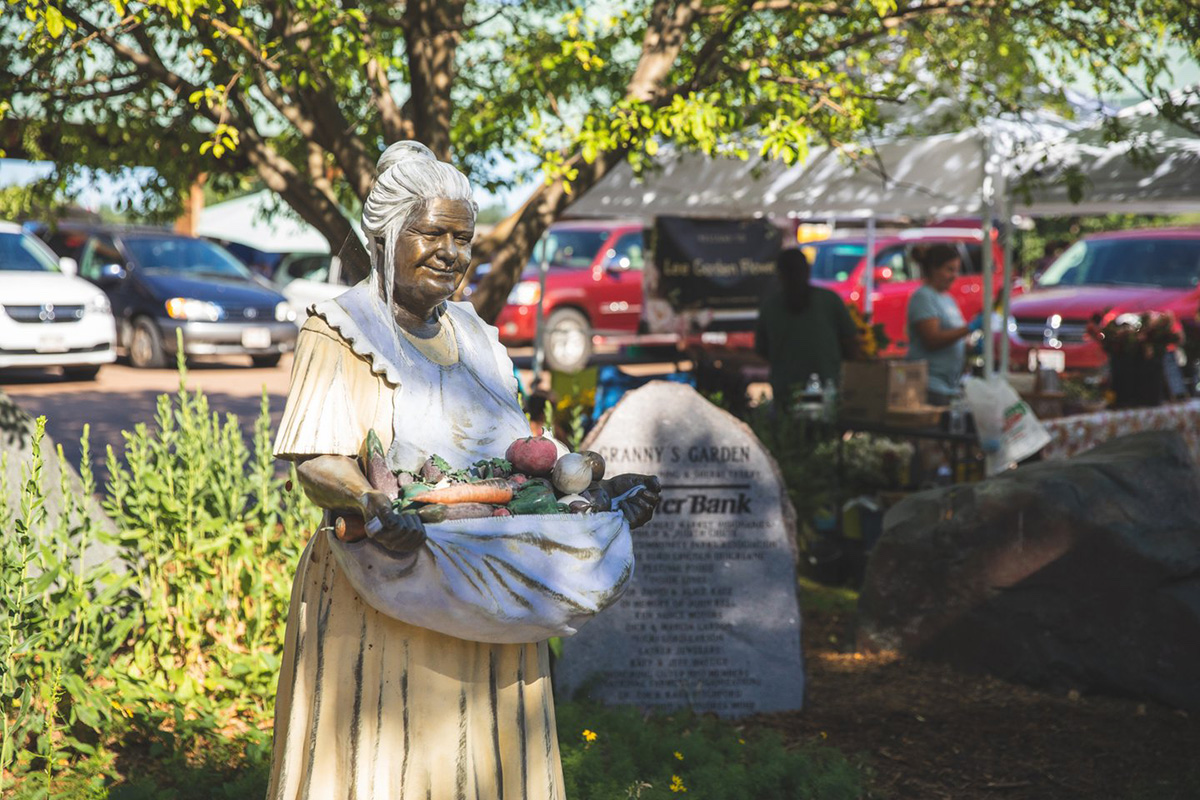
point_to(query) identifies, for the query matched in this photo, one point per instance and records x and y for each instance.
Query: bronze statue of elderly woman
(416, 663)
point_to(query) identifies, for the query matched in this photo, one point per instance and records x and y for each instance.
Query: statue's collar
(363, 319)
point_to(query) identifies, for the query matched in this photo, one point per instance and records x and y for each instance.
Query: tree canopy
(304, 94)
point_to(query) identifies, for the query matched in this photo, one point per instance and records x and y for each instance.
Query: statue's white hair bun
(401, 151)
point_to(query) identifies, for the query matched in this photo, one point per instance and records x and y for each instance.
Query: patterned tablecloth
(1077, 434)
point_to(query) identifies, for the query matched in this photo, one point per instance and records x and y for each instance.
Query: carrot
(493, 490)
(439, 512)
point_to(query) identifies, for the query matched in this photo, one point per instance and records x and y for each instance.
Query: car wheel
(87, 373)
(567, 340)
(146, 346)
(266, 361)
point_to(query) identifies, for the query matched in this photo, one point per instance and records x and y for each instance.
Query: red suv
(594, 285)
(840, 265)
(1110, 275)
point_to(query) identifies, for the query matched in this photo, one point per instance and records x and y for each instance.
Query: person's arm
(336, 483)
(923, 315)
(760, 335)
(847, 332)
(934, 337)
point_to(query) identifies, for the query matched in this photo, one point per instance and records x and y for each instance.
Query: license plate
(1047, 359)
(256, 338)
(51, 344)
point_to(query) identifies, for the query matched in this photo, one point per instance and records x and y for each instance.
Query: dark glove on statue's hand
(399, 532)
(639, 507)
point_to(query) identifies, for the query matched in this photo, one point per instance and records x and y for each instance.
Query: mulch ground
(924, 730)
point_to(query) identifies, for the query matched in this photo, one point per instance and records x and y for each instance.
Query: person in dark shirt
(802, 329)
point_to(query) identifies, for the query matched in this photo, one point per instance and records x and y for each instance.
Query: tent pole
(539, 344)
(1006, 289)
(869, 280)
(988, 262)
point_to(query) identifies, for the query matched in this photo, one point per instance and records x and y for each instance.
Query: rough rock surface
(710, 620)
(1083, 574)
(16, 442)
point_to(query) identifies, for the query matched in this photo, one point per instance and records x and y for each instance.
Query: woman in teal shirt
(936, 328)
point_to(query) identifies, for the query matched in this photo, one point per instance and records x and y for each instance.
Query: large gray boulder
(16, 444)
(1079, 574)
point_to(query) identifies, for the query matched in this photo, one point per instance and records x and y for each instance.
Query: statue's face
(432, 254)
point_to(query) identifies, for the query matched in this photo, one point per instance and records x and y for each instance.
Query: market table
(1070, 436)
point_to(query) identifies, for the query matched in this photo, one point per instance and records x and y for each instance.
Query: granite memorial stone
(710, 620)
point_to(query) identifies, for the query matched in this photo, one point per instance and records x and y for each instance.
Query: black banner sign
(713, 264)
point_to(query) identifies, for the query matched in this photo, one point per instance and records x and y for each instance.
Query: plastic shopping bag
(1008, 429)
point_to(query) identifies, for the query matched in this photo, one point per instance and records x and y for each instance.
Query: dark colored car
(593, 285)
(160, 283)
(1109, 276)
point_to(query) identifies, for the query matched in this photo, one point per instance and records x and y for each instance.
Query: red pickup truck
(841, 265)
(1110, 275)
(593, 286)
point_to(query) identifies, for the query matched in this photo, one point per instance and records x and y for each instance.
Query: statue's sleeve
(323, 414)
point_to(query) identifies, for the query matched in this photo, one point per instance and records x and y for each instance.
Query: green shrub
(179, 645)
(611, 753)
(158, 680)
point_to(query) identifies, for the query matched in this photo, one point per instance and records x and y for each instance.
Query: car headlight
(192, 309)
(1011, 325)
(284, 313)
(99, 305)
(525, 293)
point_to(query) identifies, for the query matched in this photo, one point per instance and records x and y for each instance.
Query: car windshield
(833, 261)
(571, 248)
(1169, 263)
(20, 252)
(180, 255)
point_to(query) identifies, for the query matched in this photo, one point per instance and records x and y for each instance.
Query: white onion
(572, 474)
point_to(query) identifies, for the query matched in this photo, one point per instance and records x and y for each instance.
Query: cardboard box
(870, 388)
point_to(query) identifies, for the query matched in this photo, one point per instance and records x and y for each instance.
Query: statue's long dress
(369, 707)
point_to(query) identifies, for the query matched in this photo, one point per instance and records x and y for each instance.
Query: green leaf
(54, 22)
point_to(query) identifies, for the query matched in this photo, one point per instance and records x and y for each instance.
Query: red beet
(533, 455)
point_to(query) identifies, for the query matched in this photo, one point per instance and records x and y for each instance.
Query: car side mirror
(68, 266)
(615, 264)
(111, 275)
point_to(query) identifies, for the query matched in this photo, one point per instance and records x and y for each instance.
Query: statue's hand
(400, 532)
(639, 507)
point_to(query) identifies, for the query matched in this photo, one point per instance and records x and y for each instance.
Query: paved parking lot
(122, 396)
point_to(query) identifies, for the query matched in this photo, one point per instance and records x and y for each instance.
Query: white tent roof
(932, 176)
(927, 177)
(244, 220)
(1155, 170)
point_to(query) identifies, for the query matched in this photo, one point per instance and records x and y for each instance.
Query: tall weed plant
(177, 635)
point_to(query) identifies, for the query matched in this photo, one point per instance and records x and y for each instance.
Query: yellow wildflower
(679, 755)
(589, 736)
(677, 784)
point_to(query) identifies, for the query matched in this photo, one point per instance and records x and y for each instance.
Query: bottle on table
(829, 400)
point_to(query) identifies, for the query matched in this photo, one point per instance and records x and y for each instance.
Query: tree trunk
(431, 34)
(510, 243)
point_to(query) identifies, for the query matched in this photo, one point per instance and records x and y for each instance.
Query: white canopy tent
(1155, 170)
(962, 174)
(249, 220)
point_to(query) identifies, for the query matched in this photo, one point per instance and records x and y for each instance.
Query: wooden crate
(871, 389)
